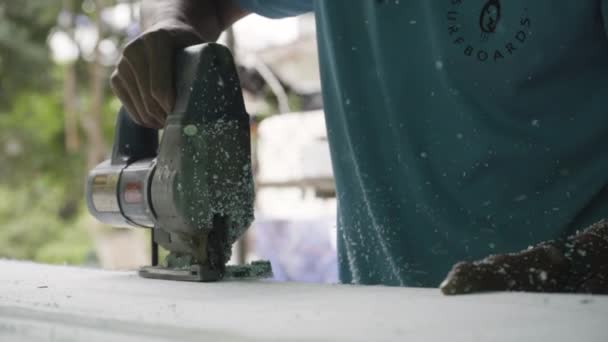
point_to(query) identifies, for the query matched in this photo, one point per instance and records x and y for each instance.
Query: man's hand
(579, 264)
(143, 78)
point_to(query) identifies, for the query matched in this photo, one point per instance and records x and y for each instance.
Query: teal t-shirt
(459, 128)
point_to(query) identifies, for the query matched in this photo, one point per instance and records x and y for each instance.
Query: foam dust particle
(190, 130)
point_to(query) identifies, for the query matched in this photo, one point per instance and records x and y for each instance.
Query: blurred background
(57, 116)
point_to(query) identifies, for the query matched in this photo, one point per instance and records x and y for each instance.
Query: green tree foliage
(24, 58)
(42, 213)
(41, 189)
(37, 225)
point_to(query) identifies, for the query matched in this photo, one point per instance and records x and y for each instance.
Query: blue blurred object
(299, 250)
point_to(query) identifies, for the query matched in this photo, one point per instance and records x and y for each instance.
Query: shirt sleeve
(277, 8)
(605, 15)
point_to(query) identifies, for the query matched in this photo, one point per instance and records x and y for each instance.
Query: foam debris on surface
(256, 270)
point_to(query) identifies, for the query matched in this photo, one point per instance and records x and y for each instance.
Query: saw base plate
(197, 273)
(200, 273)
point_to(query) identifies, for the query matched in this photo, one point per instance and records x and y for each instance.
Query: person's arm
(143, 78)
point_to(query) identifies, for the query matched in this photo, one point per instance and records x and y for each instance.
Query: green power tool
(195, 191)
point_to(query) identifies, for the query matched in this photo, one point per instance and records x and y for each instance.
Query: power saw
(195, 189)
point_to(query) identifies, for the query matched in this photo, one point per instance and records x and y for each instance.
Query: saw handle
(131, 141)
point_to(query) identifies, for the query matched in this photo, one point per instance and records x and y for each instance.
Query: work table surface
(58, 303)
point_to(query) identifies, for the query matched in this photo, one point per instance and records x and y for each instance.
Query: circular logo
(485, 38)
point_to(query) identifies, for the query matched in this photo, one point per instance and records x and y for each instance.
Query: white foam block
(53, 303)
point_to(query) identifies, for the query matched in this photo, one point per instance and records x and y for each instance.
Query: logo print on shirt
(501, 36)
(489, 18)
